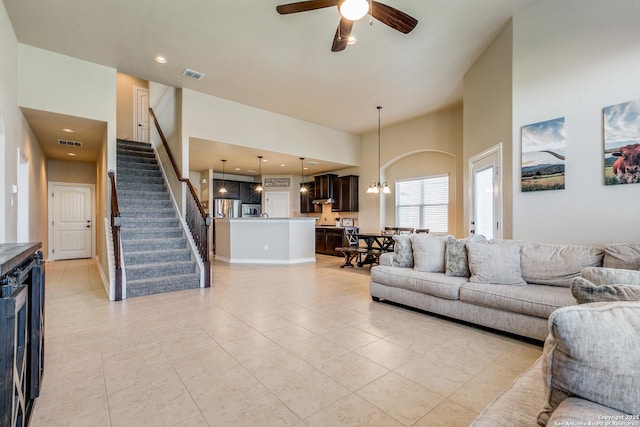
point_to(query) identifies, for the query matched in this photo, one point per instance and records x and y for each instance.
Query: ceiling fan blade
(341, 38)
(393, 17)
(303, 6)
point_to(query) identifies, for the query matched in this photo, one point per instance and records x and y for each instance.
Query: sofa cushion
(518, 405)
(584, 292)
(402, 251)
(610, 276)
(456, 262)
(428, 252)
(622, 256)
(436, 284)
(580, 412)
(592, 352)
(532, 300)
(497, 262)
(557, 265)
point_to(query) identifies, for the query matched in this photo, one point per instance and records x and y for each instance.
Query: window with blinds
(423, 203)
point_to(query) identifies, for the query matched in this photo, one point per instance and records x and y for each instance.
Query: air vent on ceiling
(69, 143)
(193, 74)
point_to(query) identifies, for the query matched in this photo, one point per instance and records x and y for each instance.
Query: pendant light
(303, 188)
(376, 187)
(258, 188)
(223, 189)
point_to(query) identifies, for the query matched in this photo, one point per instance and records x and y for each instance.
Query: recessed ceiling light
(237, 169)
(352, 40)
(282, 164)
(68, 130)
(71, 154)
(305, 168)
(250, 171)
(160, 59)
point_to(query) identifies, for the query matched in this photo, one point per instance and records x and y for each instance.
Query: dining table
(376, 243)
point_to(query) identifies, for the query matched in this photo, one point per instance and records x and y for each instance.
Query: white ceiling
(281, 63)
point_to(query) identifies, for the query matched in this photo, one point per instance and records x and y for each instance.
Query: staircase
(157, 256)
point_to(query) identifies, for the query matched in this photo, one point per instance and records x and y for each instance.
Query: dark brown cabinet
(233, 189)
(324, 186)
(248, 193)
(306, 199)
(328, 239)
(237, 190)
(345, 194)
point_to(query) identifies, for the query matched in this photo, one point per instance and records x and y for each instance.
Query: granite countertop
(14, 254)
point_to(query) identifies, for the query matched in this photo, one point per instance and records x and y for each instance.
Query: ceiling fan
(353, 10)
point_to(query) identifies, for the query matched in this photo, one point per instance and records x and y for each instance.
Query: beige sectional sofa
(512, 286)
(575, 298)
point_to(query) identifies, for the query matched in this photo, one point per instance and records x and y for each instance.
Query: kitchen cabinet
(306, 200)
(324, 186)
(248, 193)
(328, 239)
(345, 194)
(233, 189)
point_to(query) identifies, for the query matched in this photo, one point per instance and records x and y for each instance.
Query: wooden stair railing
(116, 222)
(196, 218)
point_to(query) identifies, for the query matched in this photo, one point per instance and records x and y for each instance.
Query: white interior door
(72, 221)
(277, 204)
(141, 114)
(485, 204)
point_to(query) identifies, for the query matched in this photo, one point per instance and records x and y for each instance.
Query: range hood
(323, 201)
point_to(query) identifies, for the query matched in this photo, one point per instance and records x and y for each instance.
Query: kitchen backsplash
(332, 218)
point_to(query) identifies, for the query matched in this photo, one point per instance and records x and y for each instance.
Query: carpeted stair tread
(157, 256)
(138, 245)
(150, 233)
(160, 269)
(179, 282)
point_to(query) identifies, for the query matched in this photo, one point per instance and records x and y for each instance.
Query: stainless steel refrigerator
(227, 208)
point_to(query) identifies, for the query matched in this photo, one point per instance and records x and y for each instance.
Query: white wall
(217, 119)
(432, 134)
(61, 84)
(15, 135)
(571, 59)
(488, 118)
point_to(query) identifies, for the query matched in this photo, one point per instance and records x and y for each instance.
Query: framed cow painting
(622, 143)
(543, 151)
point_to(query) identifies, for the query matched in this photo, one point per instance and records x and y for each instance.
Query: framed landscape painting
(622, 143)
(543, 155)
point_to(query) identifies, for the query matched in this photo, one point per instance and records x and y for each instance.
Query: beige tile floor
(299, 345)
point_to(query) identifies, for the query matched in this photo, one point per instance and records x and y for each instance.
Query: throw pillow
(456, 262)
(428, 252)
(625, 256)
(592, 353)
(584, 292)
(497, 262)
(402, 251)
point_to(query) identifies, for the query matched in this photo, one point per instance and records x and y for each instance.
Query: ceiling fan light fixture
(354, 10)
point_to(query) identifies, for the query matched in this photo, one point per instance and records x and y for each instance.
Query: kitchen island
(265, 240)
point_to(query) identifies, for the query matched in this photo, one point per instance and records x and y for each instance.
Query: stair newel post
(116, 222)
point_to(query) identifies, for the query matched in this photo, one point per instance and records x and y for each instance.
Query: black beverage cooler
(21, 330)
